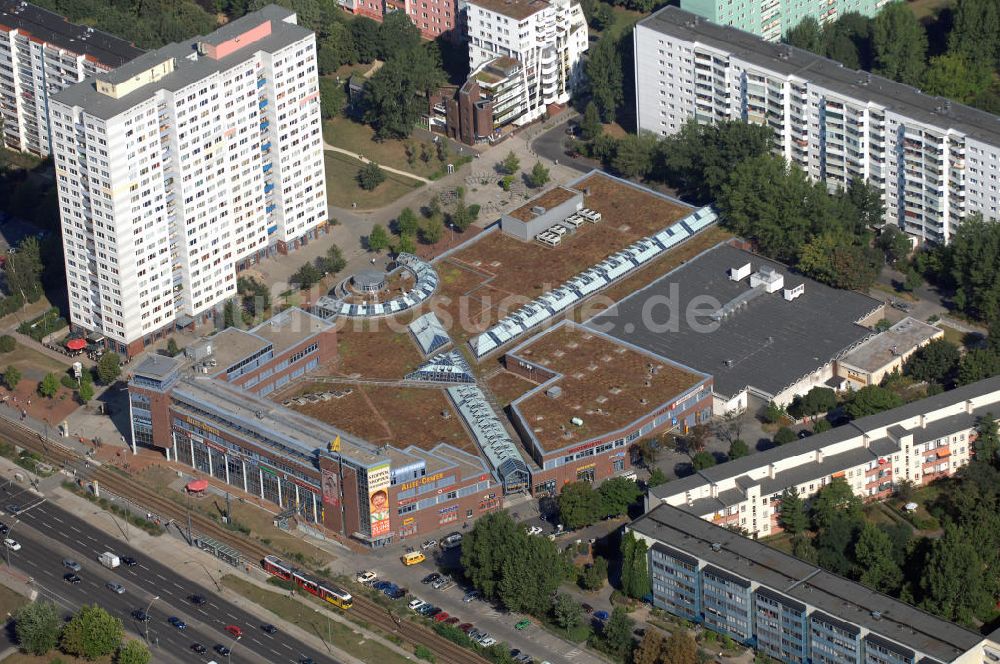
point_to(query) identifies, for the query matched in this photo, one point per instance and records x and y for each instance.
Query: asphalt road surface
(49, 535)
(552, 145)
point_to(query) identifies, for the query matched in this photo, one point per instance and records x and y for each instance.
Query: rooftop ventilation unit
(877, 615)
(792, 293)
(538, 210)
(716, 546)
(739, 273)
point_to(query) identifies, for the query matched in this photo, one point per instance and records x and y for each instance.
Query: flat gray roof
(54, 29)
(900, 623)
(290, 327)
(860, 85)
(189, 67)
(767, 342)
(158, 367)
(899, 339)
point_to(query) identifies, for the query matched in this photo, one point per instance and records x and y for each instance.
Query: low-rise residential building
(872, 360)
(919, 442)
(770, 19)
(786, 608)
(933, 161)
(433, 18)
(40, 54)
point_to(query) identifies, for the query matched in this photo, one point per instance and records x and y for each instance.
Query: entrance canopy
(197, 485)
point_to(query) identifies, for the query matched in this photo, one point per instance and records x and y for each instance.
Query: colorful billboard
(379, 479)
(331, 488)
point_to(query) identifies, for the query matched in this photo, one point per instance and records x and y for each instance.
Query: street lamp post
(148, 607)
(124, 531)
(218, 586)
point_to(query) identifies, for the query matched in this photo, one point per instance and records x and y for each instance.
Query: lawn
(343, 191)
(10, 601)
(624, 20)
(954, 336)
(927, 8)
(52, 658)
(345, 133)
(315, 620)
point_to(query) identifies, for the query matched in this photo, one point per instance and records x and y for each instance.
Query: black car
(129, 561)
(306, 660)
(222, 650)
(198, 648)
(3, 528)
(14, 509)
(140, 615)
(430, 578)
(71, 578)
(268, 628)
(197, 600)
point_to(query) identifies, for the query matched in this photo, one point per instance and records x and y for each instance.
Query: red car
(441, 617)
(234, 630)
(451, 621)
(466, 627)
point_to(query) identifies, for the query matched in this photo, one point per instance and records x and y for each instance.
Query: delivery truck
(109, 560)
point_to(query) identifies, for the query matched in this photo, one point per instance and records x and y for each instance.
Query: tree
(7, 343)
(987, 439)
(92, 633)
(49, 386)
(432, 230)
(394, 97)
(645, 452)
(634, 155)
(952, 578)
(817, 400)
(85, 391)
(306, 277)
(232, 315)
(594, 575)
(510, 164)
(635, 567)
(900, 44)
(738, 449)
(871, 399)
(365, 35)
(806, 35)
(407, 244)
(11, 377)
(656, 478)
(956, 77)
(833, 543)
(37, 627)
(702, 460)
(972, 263)
(332, 98)
(332, 263)
(803, 549)
(579, 505)
(834, 500)
(680, 648)
(461, 216)
(618, 632)
(848, 40)
(975, 32)
(370, 176)
(783, 436)
(134, 652)
(539, 175)
(566, 611)
(936, 362)
(834, 258)
(605, 77)
(821, 426)
(590, 123)
(876, 565)
(652, 646)
(792, 512)
(773, 413)
(23, 269)
(378, 239)
(697, 437)
(172, 349)
(397, 36)
(407, 222)
(895, 244)
(617, 494)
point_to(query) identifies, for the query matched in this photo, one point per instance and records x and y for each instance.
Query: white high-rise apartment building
(934, 161)
(771, 19)
(546, 37)
(40, 54)
(182, 166)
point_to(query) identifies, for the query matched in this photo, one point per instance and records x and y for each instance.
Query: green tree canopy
(378, 238)
(954, 76)
(432, 230)
(7, 343)
(987, 439)
(651, 649)
(306, 277)
(397, 36)
(935, 362)
(134, 652)
(11, 377)
(617, 633)
(952, 580)
(579, 505)
(510, 163)
(566, 611)
(92, 633)
(23, 269)
(703, 460)
(833, 500)
(617, 494)
(37, 627)
(815, 401)
(871, 399)
(792, 512)
(806, 35)
(738, 449)
(407, 222)
(635, 566)
(900, 44)
(634, 155)
(370, 176)
(876, 563)
(49, 386)
(848, 40)
(109, 368)
(972, 261)
(394, 98)
(590, 123)
(978, 364)
(895, 244)
(783, 436)
(605, 77)
(975, 32)
(681, 648)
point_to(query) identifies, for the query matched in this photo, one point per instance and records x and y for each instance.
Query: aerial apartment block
(40, 54)
(181, 167)
(933, 161)
(920, 442)
(786, 608)
(433, 18)
(771, 19)
(524, 55)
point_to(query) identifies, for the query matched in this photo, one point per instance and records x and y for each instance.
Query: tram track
(170, 511)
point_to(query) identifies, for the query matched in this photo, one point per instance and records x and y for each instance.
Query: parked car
(441, 583)
(488, 642)
(415, 604)
(398, 593)
(523, 624)
(367, 577)
(601, 615)
(430, 578)
(441, 617)
(434, 612)
(535, 530)
(12, 544)
(470, 596)
(428, 544)
(426, 609)
(381, 585)
(140, 615)
(466, 627)
(452, 621)
(222, 650)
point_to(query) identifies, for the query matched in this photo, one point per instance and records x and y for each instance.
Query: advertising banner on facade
(331, 488)
(379, 479)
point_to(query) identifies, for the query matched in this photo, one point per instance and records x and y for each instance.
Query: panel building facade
(771, 19)
(40, 54)
(182, 166)
(933, 161)
(786, 608)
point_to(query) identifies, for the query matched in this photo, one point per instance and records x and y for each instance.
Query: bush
(453, 634)
(424, 653)
(783, 436)
(68, 382)
(44, 325)
(7, 343)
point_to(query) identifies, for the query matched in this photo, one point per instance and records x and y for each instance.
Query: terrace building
(920, 442)
(874, 359)
(770, 19)
(786, 608)
(40, 54)
(934, 162)
(182, 166)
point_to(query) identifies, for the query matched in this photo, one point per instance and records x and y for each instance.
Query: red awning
(197, 485)
(76, 344)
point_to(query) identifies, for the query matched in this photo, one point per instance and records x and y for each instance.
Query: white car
(488, 641)
(535, 530)
(416, 604)
(12, 544)
(367, 577)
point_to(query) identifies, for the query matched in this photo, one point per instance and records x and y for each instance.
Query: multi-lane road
(48, 535)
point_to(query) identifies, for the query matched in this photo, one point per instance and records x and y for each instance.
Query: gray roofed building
(872, 614)
(747, 337)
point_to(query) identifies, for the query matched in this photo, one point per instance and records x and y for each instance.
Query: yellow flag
(335, 445)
